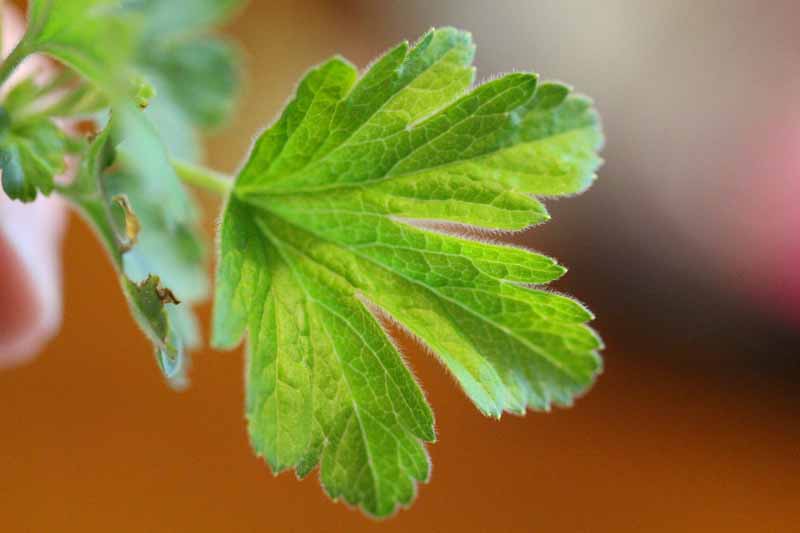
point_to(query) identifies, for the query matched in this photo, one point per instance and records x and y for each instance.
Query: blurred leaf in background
(196, 74)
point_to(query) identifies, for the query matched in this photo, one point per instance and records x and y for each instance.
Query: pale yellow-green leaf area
(321, 230)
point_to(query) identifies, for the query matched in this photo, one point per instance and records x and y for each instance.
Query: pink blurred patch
(30, 242)
(766, 224)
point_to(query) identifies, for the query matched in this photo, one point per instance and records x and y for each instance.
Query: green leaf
(31, 155)
(196, 75)
(176, 19)
(129, 193)
(199, 76)
(321, 232)
(139, 208)
(91, 36)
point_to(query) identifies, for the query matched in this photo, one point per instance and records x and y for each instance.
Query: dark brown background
(693, 426)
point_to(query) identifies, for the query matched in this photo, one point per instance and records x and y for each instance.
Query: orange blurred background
(692, 427)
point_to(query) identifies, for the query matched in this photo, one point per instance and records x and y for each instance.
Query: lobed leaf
(319, 232)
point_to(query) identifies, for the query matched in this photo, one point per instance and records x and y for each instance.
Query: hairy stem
(203, 177)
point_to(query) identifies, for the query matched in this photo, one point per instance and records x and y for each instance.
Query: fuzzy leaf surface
(319, 233)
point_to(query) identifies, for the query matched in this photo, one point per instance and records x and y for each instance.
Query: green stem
(12, 61)
(203, 177)
(60, 81)
(62, 108)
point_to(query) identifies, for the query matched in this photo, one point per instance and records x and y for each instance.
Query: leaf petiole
(13, 60)
(203, 177)
(60, 81)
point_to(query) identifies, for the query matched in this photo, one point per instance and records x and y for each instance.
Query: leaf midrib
(254, 190)
(344, 101)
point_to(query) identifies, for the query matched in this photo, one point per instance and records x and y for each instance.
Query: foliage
(348, 208)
